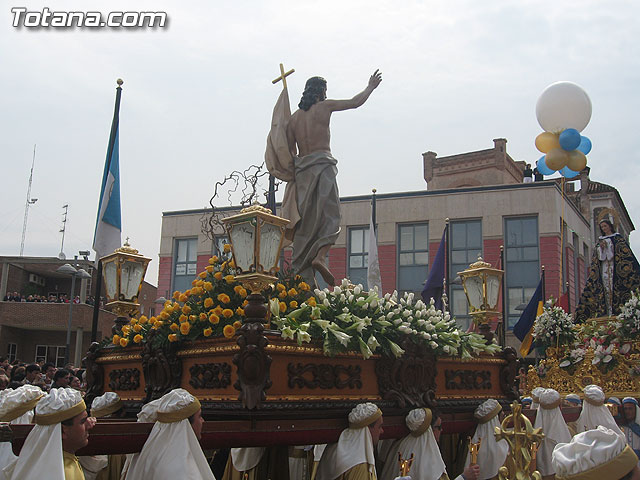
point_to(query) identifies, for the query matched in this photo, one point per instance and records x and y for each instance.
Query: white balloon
(563, 105)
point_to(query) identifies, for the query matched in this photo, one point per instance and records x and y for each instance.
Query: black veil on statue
(626, 279)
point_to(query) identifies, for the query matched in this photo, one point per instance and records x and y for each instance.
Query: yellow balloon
(576, 160)
(546, 141)
(556, 159)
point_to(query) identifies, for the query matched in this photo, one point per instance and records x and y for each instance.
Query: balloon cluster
(563, 111)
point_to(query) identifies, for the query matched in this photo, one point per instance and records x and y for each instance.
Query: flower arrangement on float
(343, 319)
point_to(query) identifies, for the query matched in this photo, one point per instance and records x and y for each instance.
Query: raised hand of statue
(471, 472)
(375, 79)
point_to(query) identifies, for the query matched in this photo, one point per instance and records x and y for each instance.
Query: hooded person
(352, 458)
(599, 454)
(427, 462)
(594, 412)
(62, 427)
(16, 407)
(253, 463)
(535, 396)
(631, 427)
(526, 402)
(103, 467)
(172, 450)
(550, 419)
(492, 454)
(147, 414)
(572, 400)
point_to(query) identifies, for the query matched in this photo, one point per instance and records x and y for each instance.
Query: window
(219, 242)
(466, 244)
(358, 257)
(50, 353)
(12, 352)
(185, 263)
(413, 257)
(522, 263)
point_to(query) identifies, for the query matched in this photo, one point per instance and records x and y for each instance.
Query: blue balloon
(542, 166)
(570, 139)
(585, 145)
(567, 173)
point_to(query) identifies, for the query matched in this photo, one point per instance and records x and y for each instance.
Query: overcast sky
(197, 98)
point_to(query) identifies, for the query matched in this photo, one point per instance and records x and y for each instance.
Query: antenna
(61, 255)
(30, 201)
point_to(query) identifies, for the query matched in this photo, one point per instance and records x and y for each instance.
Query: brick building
(33, 331)
(543, 223)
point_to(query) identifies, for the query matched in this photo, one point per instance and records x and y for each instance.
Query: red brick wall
(338, 262)
(164, 277)
(550, 259)
(201, 263)
(387, 259)
(571, 276)
(582, 276)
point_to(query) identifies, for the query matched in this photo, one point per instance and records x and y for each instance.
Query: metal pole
(66, 351)
(505, 317)
(96, 303)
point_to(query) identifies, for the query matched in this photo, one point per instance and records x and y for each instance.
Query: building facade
(544, 224)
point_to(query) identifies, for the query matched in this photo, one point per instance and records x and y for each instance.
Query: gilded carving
(324, 376)
(467, 379)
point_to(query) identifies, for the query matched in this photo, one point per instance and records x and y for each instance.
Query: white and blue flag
(107, 235)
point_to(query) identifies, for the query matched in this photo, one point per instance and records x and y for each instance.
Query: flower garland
(343, 319)
(554, 327)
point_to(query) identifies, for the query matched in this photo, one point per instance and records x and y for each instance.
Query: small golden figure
(405, 465)
(474, 448)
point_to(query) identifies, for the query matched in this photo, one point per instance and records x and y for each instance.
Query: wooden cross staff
(283, 76)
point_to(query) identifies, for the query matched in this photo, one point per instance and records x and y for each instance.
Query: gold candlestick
(404, 465)
(474, 449)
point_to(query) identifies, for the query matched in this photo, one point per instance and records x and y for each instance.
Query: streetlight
(481, 283)
(80, 273)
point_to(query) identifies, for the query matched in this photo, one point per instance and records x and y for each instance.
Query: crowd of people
(593, 447)
(44, 375)
(51, 298)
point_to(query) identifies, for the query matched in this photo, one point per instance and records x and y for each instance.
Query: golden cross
(283, 76)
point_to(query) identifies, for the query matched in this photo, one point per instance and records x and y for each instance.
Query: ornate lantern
(256, 238)
(123, 272)
(482, 285)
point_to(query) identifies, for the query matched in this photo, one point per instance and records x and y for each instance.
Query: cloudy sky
(197, 98)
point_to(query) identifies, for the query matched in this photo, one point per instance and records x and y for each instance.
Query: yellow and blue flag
(523, 329)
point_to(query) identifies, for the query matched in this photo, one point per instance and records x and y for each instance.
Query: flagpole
(373, 210)
(446, 262)
(504, 302)
(110, 147)
(544, 294)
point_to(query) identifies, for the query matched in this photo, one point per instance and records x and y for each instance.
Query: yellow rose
(192, 318)
(304, 286)
(240, 311)
(133, 321)
(159, 323)
(183, 318)
(237, 324)
(283, 294)
(188, 292)
(202, 274)
(199, 283)
(183, 297)
(209, 268)
(280, 287)
(311, 302)
(196, 290)
(177, 294)
(124, 342)
(203, 317)
(116, 339)
(174, 327)
(193, 283)
(283, 306)
(292, 292)
(137, 327)
(229, 331)
(137, 339)
(232, 263)
(186, 309)
(226, 248)
(218, 310)
(214, 319)
(208, 286)
(144, 320)
(172, 337)
(293, 304)
(224, 298)
(208, 302)
(125, 330)
(227, 312)
(207, 332)
(213, 260)
(164, 315)
(229, 279)
(245, 303)
(217, 275)
(185, 328)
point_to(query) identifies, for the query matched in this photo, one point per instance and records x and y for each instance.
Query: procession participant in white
(172, 450)
(492, 454)
(599, 454)
(147, 414)
(535, 397)
(550, 419)
(594, 412)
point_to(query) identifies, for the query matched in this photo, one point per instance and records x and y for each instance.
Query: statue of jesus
(316, 194)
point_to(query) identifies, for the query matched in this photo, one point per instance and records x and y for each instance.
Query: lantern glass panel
(474, 291)
(243, 240)
(111, 280)
(132, 274)
(269, 242)
(493, 290)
